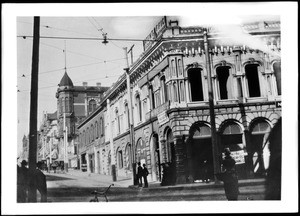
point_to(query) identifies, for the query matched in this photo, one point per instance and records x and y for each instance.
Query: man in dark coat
(230, 177)
(145, 174)
(140, 174)
(22, 182)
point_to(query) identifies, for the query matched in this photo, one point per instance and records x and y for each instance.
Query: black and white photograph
(149, 108)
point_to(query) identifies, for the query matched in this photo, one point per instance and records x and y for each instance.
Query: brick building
(170, 102)
(74, 103)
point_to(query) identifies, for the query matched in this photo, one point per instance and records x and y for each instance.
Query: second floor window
(277, 73)
(139, 108)
(252, 78)
(225, 84)
(92, 106)
(195, 77)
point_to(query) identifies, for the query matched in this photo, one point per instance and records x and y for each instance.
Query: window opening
(195, 79)
(277, 72)
(253, 80)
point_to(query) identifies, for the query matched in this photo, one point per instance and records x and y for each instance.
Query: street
(77, 187)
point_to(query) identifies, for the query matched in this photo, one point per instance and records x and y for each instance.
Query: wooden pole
(32, 158)
(211, 109)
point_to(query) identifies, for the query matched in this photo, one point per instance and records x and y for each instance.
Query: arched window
(141, 153)
(164, 90)
(259, 150)
(175, 92)
(224, 82)
(170, 147)
(117, 121)
(127, 158)
(202, 131)
(182, 91)
(180, 67)
(96, 130)
(87, 136)
(173, 67)
(92, 106)
(277, 73)
(196, 84)
(127, 114)
(120, 158)
(232, 137)
(92, 133)
(139, 107)
(252, 80)
(101, 127)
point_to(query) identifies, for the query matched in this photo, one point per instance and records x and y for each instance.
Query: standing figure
(22, 182)
(145, 174)
(230, 177)
(41, 183)
(140, 174)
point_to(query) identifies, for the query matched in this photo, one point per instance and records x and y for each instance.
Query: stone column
(180, 153)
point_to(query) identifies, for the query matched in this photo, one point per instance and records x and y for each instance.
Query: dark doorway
(157, 156)
(202, 159)
(253, 80)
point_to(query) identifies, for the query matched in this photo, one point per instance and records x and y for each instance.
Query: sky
(92, 61)
(85, 60)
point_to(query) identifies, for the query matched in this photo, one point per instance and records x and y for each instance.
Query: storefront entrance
(200, 150)
(258, 151)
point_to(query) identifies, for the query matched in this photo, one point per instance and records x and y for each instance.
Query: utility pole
(211, 108)
(34, 108)
(65, 145)
(130, 117)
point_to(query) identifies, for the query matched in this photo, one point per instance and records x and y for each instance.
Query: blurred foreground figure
(273, 181)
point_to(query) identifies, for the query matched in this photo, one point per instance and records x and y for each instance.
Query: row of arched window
(92, 133)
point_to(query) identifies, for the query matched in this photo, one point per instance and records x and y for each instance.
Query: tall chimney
(98, 84)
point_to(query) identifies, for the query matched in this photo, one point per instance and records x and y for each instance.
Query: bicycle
(103, 193)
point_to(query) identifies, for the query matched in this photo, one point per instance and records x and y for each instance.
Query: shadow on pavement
(56, 178)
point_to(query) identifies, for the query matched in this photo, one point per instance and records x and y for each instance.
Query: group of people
(27, 180)
(142, 173)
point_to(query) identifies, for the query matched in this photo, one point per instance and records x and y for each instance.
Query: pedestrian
(145, 174)
(230, 177)
(140, 174)
(22, 182)
(41, 184)
(54, 166)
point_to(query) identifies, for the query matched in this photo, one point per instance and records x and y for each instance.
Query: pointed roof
(66, 81)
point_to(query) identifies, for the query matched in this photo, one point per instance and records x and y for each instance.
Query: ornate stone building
(74, 103)
(48, 139)
(170, 102)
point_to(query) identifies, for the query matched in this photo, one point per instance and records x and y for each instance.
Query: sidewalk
(128, 182)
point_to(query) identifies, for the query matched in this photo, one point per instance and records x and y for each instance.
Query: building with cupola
(169, 90)
(74, 103)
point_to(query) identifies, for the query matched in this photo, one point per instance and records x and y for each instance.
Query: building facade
(170, 102)
(48, 148)
(74, 103)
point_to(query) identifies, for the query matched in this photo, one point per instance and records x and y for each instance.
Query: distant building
(74, 103)
(48, 139)
(170, 102)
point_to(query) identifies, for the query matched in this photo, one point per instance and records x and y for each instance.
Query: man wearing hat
(230, 180)
(22, 182)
